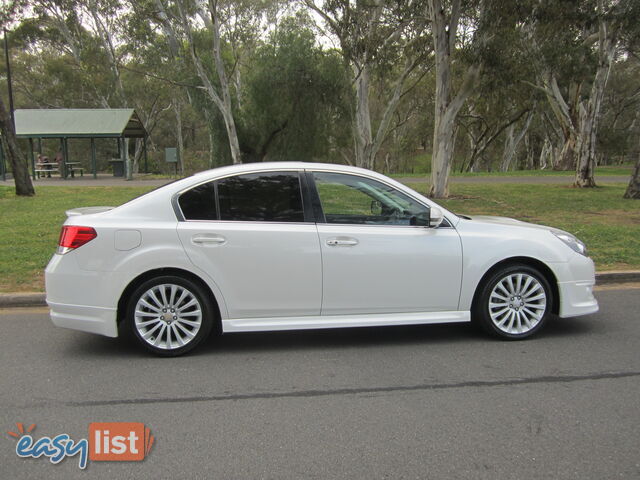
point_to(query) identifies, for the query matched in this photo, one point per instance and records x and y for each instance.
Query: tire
(170, 315)
(514, 302)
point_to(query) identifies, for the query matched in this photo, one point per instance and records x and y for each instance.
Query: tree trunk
(21, 177)
(128, 168)
(512, 141)
(227, 111)
(589, 114)
(220, 96)
(212, 144)
(180, 138)
(444, 28)
(363, 136)
(633, 190)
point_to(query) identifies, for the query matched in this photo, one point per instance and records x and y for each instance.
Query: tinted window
(199, 203)
(353, 199)
(267, 197)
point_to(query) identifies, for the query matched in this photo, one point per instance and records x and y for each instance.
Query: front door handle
(342, 242)
(208, 239)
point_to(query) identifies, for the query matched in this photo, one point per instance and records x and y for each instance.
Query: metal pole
(33, 160)
(123, 157)
(9, 84)
(94, 167)
(64, 157)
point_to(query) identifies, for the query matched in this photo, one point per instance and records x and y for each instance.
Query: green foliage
(291, 92)
(295, 97)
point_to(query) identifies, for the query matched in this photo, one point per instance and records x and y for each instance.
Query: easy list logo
(108, 441)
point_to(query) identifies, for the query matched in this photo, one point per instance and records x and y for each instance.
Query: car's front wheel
(170, 315)
(514, 302)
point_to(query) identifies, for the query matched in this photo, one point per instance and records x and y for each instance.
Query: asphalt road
(408, 402)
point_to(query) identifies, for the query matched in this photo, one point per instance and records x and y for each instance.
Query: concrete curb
(11, 300)
(606, 278)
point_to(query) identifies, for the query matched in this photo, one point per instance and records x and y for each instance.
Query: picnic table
(73, 167)
(46, 168)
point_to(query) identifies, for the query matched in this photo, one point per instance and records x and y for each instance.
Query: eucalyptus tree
(463, 33)
(230, 22)
(376, 37)
(8, 139)
(573, 45)
(17, 160)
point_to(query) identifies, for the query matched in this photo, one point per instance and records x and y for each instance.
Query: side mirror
(436, 217)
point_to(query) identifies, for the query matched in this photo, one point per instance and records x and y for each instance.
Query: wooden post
(94, 167)
(33, 160)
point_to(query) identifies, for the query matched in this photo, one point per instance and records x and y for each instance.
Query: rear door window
(261, 197)
(199, 203)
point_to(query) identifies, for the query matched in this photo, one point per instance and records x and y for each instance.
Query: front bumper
(576, 298)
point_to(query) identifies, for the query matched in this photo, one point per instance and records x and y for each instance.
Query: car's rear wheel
(514, 303)
(170, 315)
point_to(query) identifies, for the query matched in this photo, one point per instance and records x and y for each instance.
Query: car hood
(510, 221)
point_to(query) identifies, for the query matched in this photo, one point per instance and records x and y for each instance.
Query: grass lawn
(610, 225)
(600, 171)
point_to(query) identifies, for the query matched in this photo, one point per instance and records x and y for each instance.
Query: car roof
(262, 166)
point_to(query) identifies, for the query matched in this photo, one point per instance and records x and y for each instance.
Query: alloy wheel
(168, 316)
(517, 303)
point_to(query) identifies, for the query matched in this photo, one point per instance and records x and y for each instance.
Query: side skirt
(342, 321)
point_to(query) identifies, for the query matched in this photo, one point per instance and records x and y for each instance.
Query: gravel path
(524, 179)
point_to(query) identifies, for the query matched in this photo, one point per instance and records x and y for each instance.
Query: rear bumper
(81, 299)
(87, 319)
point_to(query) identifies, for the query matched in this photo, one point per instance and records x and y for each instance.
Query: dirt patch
(611, 217)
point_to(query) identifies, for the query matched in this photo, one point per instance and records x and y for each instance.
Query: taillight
(72, 237)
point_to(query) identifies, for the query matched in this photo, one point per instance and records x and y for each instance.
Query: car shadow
(362, 337)
(574, 326)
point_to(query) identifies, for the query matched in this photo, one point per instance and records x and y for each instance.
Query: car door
(378, 255)
(249, 233)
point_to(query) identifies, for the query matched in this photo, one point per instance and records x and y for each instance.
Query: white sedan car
(288, 246)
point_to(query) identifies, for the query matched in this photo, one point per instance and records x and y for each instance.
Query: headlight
(572, 242)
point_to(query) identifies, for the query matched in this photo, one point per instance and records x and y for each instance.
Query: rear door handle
(342, 242)
(204, 239)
